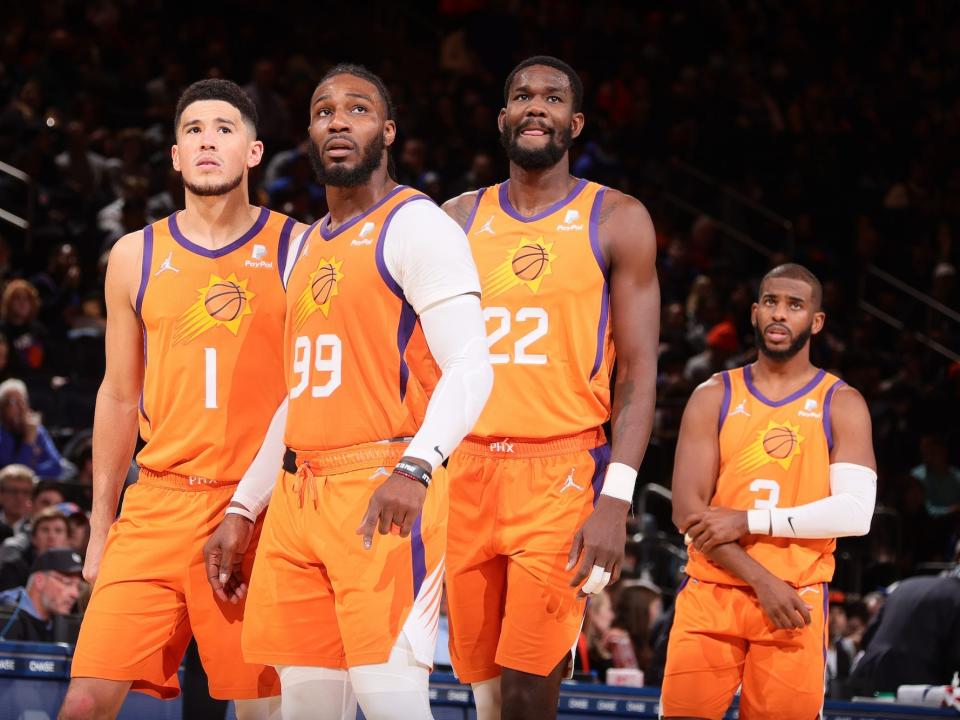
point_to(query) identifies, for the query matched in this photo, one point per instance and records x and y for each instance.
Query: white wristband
(242, 512)
(759, 522)
(619, 482)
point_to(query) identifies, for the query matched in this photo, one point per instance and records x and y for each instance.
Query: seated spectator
(915, 639)
(940, 479)
(51, 589)
(19, 308)
(79, 525)
(840, 651)
(23, 439)
(46, 494)
(602, 646)
(17, 484)
(639, 604)
(4, 357)
(722, 344)
(49, 530)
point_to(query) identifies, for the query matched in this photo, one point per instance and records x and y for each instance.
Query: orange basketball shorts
(514, 509)
(317, 597)
(721, 639)
(152, 594)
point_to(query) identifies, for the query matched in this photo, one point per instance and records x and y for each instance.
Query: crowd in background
(847, 131)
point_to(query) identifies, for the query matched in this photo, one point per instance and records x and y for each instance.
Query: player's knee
(80, 704)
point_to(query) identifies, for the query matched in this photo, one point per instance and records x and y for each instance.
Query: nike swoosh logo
(436, 449)
(790, 523)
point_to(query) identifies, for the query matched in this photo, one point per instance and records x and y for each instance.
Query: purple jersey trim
(327, 234)
(418, 556)
(408, 317)
(601, 458)
(594, 232)
(284, 245)
(473, 213)
(143, 387)
(725, 405)
(185, 242)
(748, 379)
(825, 589)
(512, 212)
(145, 263)
(827, 423)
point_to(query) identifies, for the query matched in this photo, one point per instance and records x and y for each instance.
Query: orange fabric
(721, 638)
(514, 510)
(152, 594)
(774, 453)
(546, 305)
(355, 349)
(213, 324)
(317, 597)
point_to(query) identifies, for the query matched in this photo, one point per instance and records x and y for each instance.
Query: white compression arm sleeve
(456, 335)
(847, 512)
(256, 485)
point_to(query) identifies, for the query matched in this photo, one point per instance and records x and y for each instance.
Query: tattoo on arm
(459, 209)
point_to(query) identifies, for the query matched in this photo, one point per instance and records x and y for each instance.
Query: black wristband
(414, 472)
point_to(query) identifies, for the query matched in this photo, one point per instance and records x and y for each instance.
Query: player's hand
(715, 526)
(91, 560)
(398, 501)
(782, 604)
(599, 545)
(223, 555)
(31, 426)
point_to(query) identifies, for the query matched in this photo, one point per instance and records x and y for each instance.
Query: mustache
(781, 326)
(536, 124)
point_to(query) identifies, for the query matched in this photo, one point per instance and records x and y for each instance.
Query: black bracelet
(414, 472)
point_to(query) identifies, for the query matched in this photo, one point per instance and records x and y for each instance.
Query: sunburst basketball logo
(224, 302)
(526, 264)
(322, 286)
(779, 443)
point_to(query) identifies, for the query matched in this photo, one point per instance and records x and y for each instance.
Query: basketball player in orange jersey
(774, 461)
(195, 325)
(341, 613)
(536, 505)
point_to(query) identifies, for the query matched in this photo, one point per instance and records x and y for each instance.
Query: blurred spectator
(49, 529)
(639, 605)
(79, 525)
(840, 652)
(46, 494)
(57, 287)
(916, 637)
(273, 123)
(23, 439)
(722, 343)
(19, 308)
(940, 479)
(51, 589)
(17, 483)
(602, 646)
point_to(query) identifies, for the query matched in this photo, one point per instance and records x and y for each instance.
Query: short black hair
(575, 83)
(364, 74)
(217, 89)
(795, 271)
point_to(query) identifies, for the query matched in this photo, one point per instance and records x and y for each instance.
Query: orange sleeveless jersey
(213, 347)
(357, 365)
(546, 303)
(774, 454)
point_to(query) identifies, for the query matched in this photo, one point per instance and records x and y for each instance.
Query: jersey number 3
(772, 488)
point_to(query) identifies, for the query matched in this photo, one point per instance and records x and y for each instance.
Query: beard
(338, 175)
(213, 190)
(538, 159)
(788, 352)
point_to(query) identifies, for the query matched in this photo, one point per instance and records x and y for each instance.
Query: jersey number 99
(327, 357)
